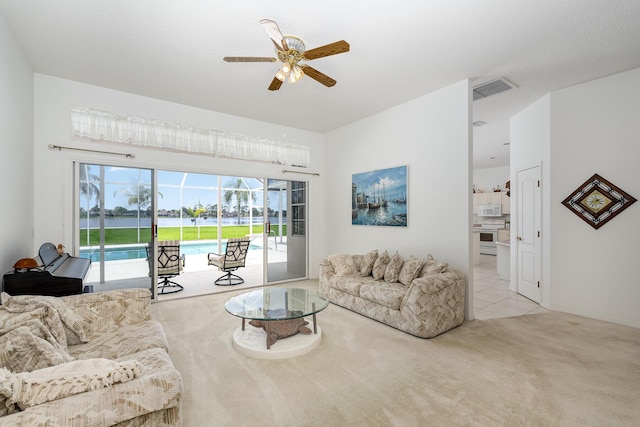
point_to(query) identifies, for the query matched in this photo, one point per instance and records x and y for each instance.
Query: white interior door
(528, 240)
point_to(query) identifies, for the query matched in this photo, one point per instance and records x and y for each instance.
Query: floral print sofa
(93, 359)
(420, 296)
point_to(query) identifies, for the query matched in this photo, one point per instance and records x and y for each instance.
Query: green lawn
(123, 236)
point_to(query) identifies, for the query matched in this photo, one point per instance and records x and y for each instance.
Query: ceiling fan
(291, 50)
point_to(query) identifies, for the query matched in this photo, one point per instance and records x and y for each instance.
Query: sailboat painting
(379, 197)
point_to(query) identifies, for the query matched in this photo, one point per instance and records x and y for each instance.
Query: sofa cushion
(349, 284)
(410, 270)
(389, 294)
(343, 264)
(392, 272)
(367, 263)
(22, 351)
(67, 379)
(380, 266)
(128, 339)
(72, 324)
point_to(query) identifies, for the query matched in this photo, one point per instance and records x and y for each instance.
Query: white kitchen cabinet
(506, 203)
(504, 235)
(489, 198)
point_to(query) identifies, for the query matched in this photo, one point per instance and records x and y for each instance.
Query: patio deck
(197, 277)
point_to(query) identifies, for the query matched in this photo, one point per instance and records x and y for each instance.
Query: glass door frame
(102, 164)
(288, 276)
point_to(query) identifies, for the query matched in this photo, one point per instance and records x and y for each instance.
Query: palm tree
(241, 195)
(196, 213)
(139, 195)
(88, 190)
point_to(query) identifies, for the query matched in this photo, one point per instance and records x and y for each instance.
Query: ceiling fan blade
(275, 84)
(248, 59)
(327, 50)
(318, 76)
(274, 33)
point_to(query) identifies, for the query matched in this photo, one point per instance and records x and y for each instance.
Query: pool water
(139, 251)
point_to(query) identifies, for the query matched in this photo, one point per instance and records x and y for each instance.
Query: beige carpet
(538, 370)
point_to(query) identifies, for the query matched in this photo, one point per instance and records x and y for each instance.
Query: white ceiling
(399, 51)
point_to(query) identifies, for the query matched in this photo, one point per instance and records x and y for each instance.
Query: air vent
(493, 87)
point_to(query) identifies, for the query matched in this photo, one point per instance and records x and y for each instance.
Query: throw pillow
(431, 266)
(73, 324)
(380, 265)
(357, 259)
(22, 351)
(367, 263)
(392, 272)
(343, 264)
(68, 379)
(410, 271)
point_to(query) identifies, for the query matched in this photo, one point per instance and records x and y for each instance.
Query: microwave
(490, 210)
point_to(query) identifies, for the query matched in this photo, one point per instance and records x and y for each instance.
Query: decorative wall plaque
(597, 201)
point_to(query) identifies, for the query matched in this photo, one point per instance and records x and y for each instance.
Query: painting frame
(380, 197)
(597, 201)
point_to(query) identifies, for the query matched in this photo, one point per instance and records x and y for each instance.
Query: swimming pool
(139, 251)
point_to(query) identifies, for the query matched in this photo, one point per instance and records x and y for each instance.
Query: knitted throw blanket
(57, 382)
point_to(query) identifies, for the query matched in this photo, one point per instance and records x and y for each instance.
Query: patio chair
(231, 260)
(170, 263)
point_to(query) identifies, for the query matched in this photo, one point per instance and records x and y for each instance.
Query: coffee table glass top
(276, 304)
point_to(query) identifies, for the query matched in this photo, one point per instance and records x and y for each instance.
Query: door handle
(519, 238)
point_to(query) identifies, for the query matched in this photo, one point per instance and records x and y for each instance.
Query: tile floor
(492, 297)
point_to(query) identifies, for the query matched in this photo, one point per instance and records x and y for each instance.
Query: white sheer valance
(105, 126)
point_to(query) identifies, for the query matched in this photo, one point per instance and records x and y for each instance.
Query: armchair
(170, 263)
(231, 260)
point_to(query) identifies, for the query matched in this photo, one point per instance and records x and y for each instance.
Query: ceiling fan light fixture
(296, 74)
(281, 75)
(297, 71)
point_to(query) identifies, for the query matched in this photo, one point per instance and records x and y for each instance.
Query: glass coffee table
(279, 311)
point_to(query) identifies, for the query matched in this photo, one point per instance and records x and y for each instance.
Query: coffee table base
(252, 343)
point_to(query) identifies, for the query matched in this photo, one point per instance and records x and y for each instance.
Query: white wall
(594, 129)
(530, 135)
(574, 133)
(487, 179)
(53, 169)
(16, 163)
(432, 135)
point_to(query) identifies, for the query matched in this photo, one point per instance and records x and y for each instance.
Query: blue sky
(196, 188)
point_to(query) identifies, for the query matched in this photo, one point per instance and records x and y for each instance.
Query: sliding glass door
(114, 225)
(122, 210)
(285, 231)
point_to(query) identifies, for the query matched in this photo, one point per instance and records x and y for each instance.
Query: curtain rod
(60, 148)
(305, 173)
